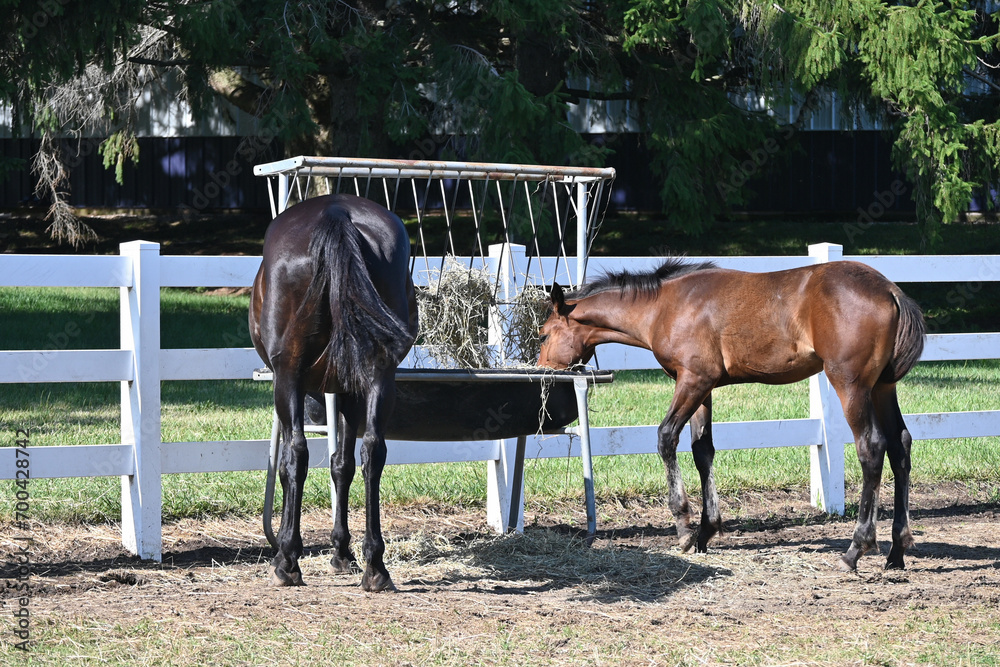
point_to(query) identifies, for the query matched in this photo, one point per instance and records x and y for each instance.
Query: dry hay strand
(524, 319)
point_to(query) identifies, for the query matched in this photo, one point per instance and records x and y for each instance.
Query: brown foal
(709, 327)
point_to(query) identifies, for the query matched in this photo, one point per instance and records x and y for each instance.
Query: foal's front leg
(689, 394)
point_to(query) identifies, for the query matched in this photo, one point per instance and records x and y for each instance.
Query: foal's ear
(557, 296)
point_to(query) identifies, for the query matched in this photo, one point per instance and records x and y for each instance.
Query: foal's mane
(639, 283)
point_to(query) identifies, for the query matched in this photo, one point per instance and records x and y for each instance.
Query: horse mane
(639, 283)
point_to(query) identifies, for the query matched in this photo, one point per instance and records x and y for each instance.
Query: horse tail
(910, 333)
(365, 334)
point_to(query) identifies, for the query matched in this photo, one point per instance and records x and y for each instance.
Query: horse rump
(365, 334)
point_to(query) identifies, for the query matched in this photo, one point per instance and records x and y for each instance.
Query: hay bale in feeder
(454, 319)
(454, 311)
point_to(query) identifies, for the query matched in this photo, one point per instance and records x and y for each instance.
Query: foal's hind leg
(704, 454)
(870, 441)
(342, 469)
(899, 442)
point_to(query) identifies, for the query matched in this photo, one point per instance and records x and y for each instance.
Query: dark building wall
(815, 172)
(197, 172)
(825, 172)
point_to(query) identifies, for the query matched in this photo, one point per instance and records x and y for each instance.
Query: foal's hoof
(844, 565)
(340, 565)
(279, 578)
(687, 542)
(895, 564)
(377, 583)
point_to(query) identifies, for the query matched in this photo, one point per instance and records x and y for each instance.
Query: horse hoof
(894, 565)
(281, 579)
(687, 543)
(378, 583)
(343, 565)
(846, 566)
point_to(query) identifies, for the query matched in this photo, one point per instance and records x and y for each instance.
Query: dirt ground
(768, 588)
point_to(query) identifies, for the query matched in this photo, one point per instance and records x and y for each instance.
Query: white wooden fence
(141, 458)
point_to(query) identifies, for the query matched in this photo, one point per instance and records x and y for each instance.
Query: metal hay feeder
(476, 203)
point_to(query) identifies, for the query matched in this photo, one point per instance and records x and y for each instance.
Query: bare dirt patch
(768, 587)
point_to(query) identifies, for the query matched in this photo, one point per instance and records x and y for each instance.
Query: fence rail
(141, 458)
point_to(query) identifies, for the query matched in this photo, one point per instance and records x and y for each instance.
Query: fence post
(140, 332)
(508, 259)
(826, 461)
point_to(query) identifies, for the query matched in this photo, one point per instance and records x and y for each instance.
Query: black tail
(910, 334)
(365, 334)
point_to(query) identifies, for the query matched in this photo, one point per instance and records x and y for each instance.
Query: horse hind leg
(870, 442)
(703, 450)
(899, 443)
(293, 466)
(373, 457)
(342, 470)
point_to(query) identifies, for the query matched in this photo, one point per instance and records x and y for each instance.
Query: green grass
(642, 397)
(88, 318)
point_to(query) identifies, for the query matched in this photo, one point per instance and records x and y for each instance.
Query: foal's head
(563, 339)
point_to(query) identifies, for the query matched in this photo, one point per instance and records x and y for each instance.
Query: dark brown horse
(710, 327)
(333, 311)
